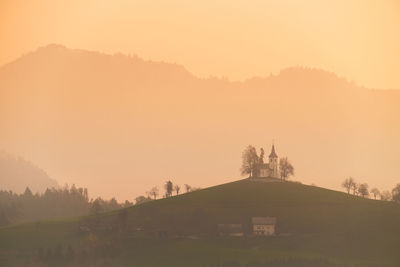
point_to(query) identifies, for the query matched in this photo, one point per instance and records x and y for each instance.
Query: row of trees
(169, 189)
(362, 189)
(63, 202)
(68, 202)
(251, 163)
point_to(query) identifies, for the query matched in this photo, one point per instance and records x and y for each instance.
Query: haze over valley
(119, 124)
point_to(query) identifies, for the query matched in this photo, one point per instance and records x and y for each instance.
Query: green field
(315, 227)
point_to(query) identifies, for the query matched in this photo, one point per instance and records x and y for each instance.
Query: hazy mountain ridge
(92, 116)
(17, 173)
(153, 70)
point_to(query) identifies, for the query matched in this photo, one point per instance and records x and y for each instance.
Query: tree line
(169, 189)
(62, 202)
(68, 202)
(362, 189)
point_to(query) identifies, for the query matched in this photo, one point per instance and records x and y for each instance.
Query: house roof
(264, 220)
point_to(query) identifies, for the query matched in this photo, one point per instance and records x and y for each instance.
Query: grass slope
(314, 224)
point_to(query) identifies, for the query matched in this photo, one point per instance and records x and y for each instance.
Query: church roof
(273, 154)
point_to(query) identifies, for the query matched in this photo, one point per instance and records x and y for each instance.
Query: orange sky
(359, 39)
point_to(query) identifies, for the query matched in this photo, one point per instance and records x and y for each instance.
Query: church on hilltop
(269, 169)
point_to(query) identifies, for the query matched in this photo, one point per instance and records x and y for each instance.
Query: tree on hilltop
(286, 168)
(177, 188)
(348, 184)
(354, 187)
(396, 194)
(168, 188)
(250, 160)
(188, 188)
(375, 192)
(386, 195)
(363, 190)
(153, 192)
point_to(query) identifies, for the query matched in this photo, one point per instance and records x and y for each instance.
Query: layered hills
(88, 117)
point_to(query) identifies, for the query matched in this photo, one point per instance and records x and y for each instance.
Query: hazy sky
(359, 39)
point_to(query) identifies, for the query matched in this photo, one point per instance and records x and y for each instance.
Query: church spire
(273, 154)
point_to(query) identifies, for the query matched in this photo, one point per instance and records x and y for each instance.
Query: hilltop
(316, 227)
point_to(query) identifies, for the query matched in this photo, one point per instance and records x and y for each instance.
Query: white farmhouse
(263, 225)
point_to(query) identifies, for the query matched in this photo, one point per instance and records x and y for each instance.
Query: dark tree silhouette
(96, 207)
(153, 192)
(386, 195)
(375, 192)
(354, 187)
(188, 188)
(286, 168)
(363, 190)
(348, 184)
(249, 161)
(168, 188)
(177, 188)
(396, 193)
(53, 203)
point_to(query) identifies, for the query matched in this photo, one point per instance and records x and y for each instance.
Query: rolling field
(315, 227)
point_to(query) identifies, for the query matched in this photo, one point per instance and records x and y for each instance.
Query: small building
(270, 169)
(230, 229)
(264, 226)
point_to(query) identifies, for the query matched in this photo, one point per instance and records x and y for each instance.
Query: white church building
(269, 169)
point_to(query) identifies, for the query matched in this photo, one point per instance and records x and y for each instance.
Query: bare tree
(249, 161)
(177, 188)
(375, 192)
(386, 195)
(153, 192)
(348, 184)
(354, 187)
(363, 190)
(168, 188)
(188, 188)
(396, 193)
(286, 168)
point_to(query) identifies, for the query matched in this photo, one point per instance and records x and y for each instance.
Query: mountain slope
(16, 174)
(314, 225)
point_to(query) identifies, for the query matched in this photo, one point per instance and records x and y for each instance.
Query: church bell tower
(273, 163)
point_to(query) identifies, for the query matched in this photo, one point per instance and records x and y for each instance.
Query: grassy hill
(316, 227)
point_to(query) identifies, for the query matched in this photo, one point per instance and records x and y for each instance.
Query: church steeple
(273, 163)
(273, 154)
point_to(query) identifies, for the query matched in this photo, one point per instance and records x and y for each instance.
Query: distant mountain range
(93, 117)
